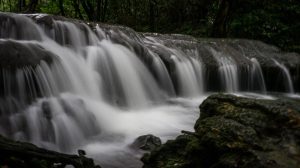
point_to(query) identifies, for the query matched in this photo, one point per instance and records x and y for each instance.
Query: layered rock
(236, 132)
(15, 54)
(214, 54)
(19, 61)
(146, 142)
(238, 52)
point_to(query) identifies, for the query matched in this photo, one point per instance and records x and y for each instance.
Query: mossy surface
(236, 132)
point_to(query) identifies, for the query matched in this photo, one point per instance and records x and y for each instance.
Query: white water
(99, 95)
(188, 70)
(257, 77)
(136, 82)
(228, 71)
(96, 96)
(288, 83)
(163, 75)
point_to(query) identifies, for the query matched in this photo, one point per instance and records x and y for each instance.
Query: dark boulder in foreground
(25, 155)
(236, 132)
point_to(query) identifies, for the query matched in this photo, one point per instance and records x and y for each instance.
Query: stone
(15, 55)
(236, 132)
(26, 155)
(147, 142)
(81, 152)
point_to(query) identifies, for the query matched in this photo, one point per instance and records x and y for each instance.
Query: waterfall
(228, 71)
(66, 85)
(288, 84)
(188, 69)
(163, 76)
(136, 82)
(187, 77)
(257, 78)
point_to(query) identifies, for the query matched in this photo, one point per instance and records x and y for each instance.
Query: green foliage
(272, 21)
(275, 22)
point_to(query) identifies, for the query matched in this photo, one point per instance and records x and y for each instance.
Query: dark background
(273, 21)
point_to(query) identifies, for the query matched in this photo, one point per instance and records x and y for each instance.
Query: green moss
(236, 132)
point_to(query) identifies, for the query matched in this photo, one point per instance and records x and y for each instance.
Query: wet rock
(25, 155)
(17, 54)
(236, 132)
(207, 50)
(147, 142)
(81, 152)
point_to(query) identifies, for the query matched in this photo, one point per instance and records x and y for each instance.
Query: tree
(88, 8)
(61, 7)
(223, 17)
(152, 20)
(32, 6)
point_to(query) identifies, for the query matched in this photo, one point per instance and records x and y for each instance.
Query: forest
(272, 21)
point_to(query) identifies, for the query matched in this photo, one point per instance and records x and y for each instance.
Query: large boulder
(236, 132)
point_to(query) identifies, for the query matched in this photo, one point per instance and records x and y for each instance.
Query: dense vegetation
(273, 21)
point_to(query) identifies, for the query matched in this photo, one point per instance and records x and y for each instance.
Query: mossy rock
(236, 132)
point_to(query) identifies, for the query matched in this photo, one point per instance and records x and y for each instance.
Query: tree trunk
(61, 7)
(77, 9)
(32, 6)
(98, 10)
(9, 5)
(89, 11)
(152, 4)
(104, 9)
(222, 19)
(20, 5)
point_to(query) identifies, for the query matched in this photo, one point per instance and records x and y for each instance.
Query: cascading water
(228, 71)
(136, 83)
(187, 77)
(162, 75)
(188, 70)
(72, 87)
(288, 84)
(257, 78)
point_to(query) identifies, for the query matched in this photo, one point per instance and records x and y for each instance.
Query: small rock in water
(147, 142)
(81, 152)
(69, 166)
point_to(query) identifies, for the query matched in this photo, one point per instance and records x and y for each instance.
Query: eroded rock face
(15, 54)
(236, 132)
(211, 53)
